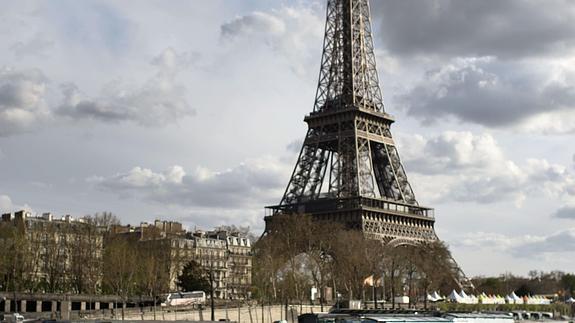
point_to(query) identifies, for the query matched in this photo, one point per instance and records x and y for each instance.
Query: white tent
(436, 296)
(454, 297)
(516, 298)
(430, 298)
(472, 299)
(571, 300)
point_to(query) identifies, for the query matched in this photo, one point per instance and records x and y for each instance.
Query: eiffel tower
(349, 168)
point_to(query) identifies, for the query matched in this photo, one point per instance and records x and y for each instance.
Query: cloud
(494, 240)
(450, 151)
(485, 91)
(160, 100)
(506, 29)
(566, 212)
(559, 242)
(38, 45)
(6, 204)
(250, 184)
(22, 100)
(521, 246)
(255, 22)
(295, 33)
(295, 146)
(463, 167)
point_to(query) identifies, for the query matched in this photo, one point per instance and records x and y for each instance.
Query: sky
(193, 111)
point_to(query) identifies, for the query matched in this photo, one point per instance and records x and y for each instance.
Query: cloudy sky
(192, 111)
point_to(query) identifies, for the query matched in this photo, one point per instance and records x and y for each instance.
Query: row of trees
(537, 282)
(46, 256)
(303, 253)
(79, 257)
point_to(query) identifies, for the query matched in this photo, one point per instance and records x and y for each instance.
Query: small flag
(368, 281)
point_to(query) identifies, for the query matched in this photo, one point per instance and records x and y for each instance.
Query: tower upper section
(348, 77)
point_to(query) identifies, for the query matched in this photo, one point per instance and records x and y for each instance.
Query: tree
(104, 219)
(120, 268)
(153, 277)
(568, 282)
(193, 278)
(432, 262)
(85, 256)
(16, 262)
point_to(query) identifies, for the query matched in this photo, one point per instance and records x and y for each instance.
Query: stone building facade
(226, 255)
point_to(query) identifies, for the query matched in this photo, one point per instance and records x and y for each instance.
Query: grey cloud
(294, 146)
(566, 212)
(254, 182)
(521, 246)
(22, 100)
(563, 241)
(511, 28)
(489, 93)
(160, 100)
(38, 45)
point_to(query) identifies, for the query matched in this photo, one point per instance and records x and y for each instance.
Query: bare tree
(120, 268)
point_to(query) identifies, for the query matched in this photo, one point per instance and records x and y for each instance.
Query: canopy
(454, 296)
(436, 296)
(571, 300)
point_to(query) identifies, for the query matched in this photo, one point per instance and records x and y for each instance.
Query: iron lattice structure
(349, 168)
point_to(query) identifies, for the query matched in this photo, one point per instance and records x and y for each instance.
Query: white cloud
(293, 32)
(6, 204)
(492, 240)
(254, 23)
(450, 151)
(250, 184)
(22, 100)
(463, 167)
